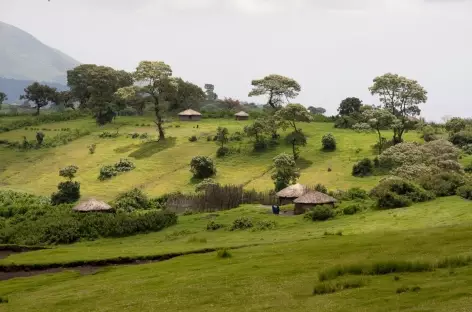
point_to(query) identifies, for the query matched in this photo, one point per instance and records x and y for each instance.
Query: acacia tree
(285, 171)
(277, 88)
(293, 113)
(380, 119)
(39, 94)
(402, 97)
(153, 79)
(3, 97)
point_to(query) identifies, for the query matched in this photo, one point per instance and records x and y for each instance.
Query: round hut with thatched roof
(93, 205)
(289, 194)
(242, 115)
(190, 115)
(310, 200)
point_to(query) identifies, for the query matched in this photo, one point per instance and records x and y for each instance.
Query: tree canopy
(380, 119)
(350, 106)
(317, 110)
(285, 171)
(293, 113)
(277, 88)
(39, 94)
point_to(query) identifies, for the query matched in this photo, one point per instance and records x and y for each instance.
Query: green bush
(213, 226)
(321, 188)
(352, 209)
(193, 138)
(242, 223)
(202, 167)
(223, 253)
(355, 193)
(265, 225)
(391, 200)
(329, 142)
(108, 135)
(363, 168)
(465, 191)
(222, 152)
(131, 201)
(442, 184)
(107, 172)
(69, 192)
(320, 213)
(124, 165)
(237, 136)
(260, 145)
(461, 138)
(15, 203)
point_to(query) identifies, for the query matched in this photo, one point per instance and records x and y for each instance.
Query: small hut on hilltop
(310, 200)
(242, 115)
(93, 205)
(190, 115)
(289, 194)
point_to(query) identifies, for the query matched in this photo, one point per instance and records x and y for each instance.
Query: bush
(320, 213)
(222, 151)
(352, 209)
(107, 172)
(465, 191)
(205, 184)
(202, 167)
(242, 223)
(429, 134)
(15, 203)
(124, 165)
(442, 184)
(260, 145)
(131, 200)
(467, 149)
(397, 193)
(321, 188)
(41, 119)
(69, 172)
(329, 142)
(391, 200)
(193, 138)
(223, 253)
(461, 138)
(355, 193)
(265, 225)
(213, 226)
(40, 137)
(363, 168)
(69, 192)
(237, 136)
(108, 135)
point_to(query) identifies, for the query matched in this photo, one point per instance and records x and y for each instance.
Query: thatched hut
(190, 115)
(289, 194)
(93, 205)
(242, 115)
(310, 200)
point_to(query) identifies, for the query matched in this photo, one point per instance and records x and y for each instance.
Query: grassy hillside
(279, 274)
(163, 168)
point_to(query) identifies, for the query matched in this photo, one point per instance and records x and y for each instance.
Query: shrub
(461, 138)
(223, 253)
(107, 172)
(260, 145)
(265, 225)
(40, 137)
(69, 172)
(144, 136)
(193, 138)
(92, 148)
(131, 200)
(467, 149)
(124, 165)
(465, 191)
(242, 223)
(213, 226)
(429, 134)
(108, 135)
(442, 184)
(237, 136)
(468, 168)
(412, 172)
(363, 168)
(329, 142)
(321, 188)
(202, 167)
(320, 213)
(69, 192)
(15, 203)
(391, 200)
(222, 151)
(205, 184)
(356, 193)
(352, 209)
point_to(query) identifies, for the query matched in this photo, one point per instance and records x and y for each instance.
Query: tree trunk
(380, 141)
(37, 110)
(159, 121)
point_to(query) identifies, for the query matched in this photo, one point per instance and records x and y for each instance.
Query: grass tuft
(223, 253)
(324, 288)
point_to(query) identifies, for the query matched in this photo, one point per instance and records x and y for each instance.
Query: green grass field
(163, 169)
(268, 270)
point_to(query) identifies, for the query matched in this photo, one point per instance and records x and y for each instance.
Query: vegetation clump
(324, 288)
(69, 191)
(242, 223)
(107, 172)
(285, 171)
(329, 142)
(202, 167)
(465, 191)
(213, 226)
(363, 168)
(132, 200)
(223, 253)
(320, 213)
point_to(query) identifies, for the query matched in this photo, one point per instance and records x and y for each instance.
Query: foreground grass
(162, 169)
(190, 234)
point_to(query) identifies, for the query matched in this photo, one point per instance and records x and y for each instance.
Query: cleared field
(163, 168)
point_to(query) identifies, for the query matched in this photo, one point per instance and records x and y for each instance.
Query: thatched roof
(315, 198)
(242, 114)
(190, 112)
(93, 205)
(293, 191)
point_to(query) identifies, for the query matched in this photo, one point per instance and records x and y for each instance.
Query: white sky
(334, 48)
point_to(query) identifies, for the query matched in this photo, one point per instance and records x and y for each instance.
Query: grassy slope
(159, 172)
(273, 277)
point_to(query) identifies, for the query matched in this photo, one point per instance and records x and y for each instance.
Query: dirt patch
(7, 250)
(85, 270)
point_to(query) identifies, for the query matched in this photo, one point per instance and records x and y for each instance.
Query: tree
(222, 136)
(277, 88)
(350, 106)
(401, 96)
(329, 142)
(3, 97)
(77, 80)
(455, 125)
(231, 104)
(210, 92)
(296, 139)
(153, 78)
(69, 191)
(39, 94)
(64, 98)
(256, 130)
(285, 171)
(317, 110)
(380, 119)
(184, 95)
(293, 113)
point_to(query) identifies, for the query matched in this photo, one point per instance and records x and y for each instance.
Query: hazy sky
(334, 48)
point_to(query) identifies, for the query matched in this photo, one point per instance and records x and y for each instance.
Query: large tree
(317, 110)
(184, 95)
(231, 104)
(402, 97)
(277, 88)
(41, 95)
(380, 119)
(210, 92)
(284, 172)
(350, 106)
(64, 98)
(3, 97)
(293, 113)
(78, 82)
(153, 79)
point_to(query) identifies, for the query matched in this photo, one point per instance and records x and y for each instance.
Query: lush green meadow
(163, 168)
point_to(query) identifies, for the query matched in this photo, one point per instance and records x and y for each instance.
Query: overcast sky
(333, 48)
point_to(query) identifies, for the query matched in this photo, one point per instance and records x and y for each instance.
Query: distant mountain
(26, 59)
(14, 88)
